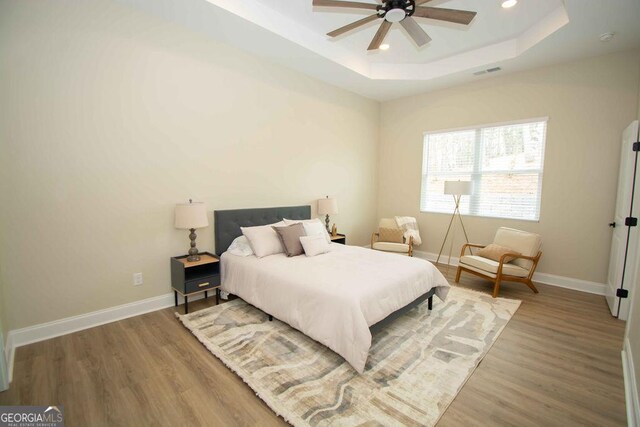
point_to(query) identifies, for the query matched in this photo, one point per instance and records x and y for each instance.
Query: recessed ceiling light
(508, 3)
(605, 37)
(384, 46)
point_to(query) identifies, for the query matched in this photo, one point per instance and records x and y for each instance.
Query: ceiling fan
(402, 11)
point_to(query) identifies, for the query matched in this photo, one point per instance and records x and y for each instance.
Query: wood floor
(557, 363)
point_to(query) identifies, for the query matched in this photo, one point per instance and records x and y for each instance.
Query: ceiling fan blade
(415, 31)
(419, 2)
(353, 25)
(380, 35)
(349, 4)
(449, 15)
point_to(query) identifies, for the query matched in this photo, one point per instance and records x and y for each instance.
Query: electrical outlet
(137, 279)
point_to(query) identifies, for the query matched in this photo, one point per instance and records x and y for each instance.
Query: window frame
(479, 173)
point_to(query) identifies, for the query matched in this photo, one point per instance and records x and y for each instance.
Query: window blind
(504, 162)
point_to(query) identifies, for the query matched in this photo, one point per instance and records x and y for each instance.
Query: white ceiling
(292, 33)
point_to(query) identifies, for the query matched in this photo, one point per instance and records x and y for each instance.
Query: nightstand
(338, 238)
(189, 278)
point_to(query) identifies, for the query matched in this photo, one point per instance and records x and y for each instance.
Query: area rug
(416, 366)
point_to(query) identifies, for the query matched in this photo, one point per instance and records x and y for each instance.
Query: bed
(336, 298)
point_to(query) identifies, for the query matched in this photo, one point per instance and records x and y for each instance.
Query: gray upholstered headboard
(227, 223)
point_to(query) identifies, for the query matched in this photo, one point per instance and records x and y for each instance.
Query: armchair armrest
(513, 256)
(516, 256)
(374, 238)
(470, 245)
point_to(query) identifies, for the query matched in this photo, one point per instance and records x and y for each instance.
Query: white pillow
(314, 245)
(240, 247)
(311, 227)
(263, 239)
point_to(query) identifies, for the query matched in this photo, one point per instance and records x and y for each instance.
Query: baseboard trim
(571, 283)
(544, 278)
(631, 392)
(44, 331)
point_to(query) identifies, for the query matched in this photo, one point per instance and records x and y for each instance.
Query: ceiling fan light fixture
(395, 15)
(384, 46)
(506, 4)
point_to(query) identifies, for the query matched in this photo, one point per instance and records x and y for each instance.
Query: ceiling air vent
(488, 70)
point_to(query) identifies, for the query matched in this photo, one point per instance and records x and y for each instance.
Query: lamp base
(326, 223)
(193, 251)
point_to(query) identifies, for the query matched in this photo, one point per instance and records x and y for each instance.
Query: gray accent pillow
(290, 238)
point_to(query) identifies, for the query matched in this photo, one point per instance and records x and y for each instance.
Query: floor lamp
(457, 189)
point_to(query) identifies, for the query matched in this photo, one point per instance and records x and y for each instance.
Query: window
(504, 162)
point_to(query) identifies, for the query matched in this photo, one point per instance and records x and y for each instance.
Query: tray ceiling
(293, 33)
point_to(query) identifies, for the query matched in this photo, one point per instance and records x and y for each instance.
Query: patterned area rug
(416, 365)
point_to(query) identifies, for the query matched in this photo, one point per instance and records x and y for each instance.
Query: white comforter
(335, 297)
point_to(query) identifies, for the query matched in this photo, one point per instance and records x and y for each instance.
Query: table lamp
(190, 216)
(327, 207)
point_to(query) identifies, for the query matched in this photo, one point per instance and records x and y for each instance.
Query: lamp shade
(191, 215)
(458, 188)
(327, 206)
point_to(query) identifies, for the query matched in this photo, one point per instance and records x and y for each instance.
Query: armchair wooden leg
(458, 274)
(496, 287)
(532, 286)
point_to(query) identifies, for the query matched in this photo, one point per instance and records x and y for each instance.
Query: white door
(619, 271)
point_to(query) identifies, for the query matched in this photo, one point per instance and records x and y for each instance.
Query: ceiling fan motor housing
(397, 10)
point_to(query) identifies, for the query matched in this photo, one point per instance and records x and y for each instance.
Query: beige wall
(110, 117)
(588, 102)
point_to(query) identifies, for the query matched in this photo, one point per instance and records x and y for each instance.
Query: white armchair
(399, 245)
(515, 266)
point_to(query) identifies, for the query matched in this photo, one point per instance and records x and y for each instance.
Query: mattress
(334, 297)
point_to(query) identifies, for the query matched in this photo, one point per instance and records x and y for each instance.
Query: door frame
(4, 370)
